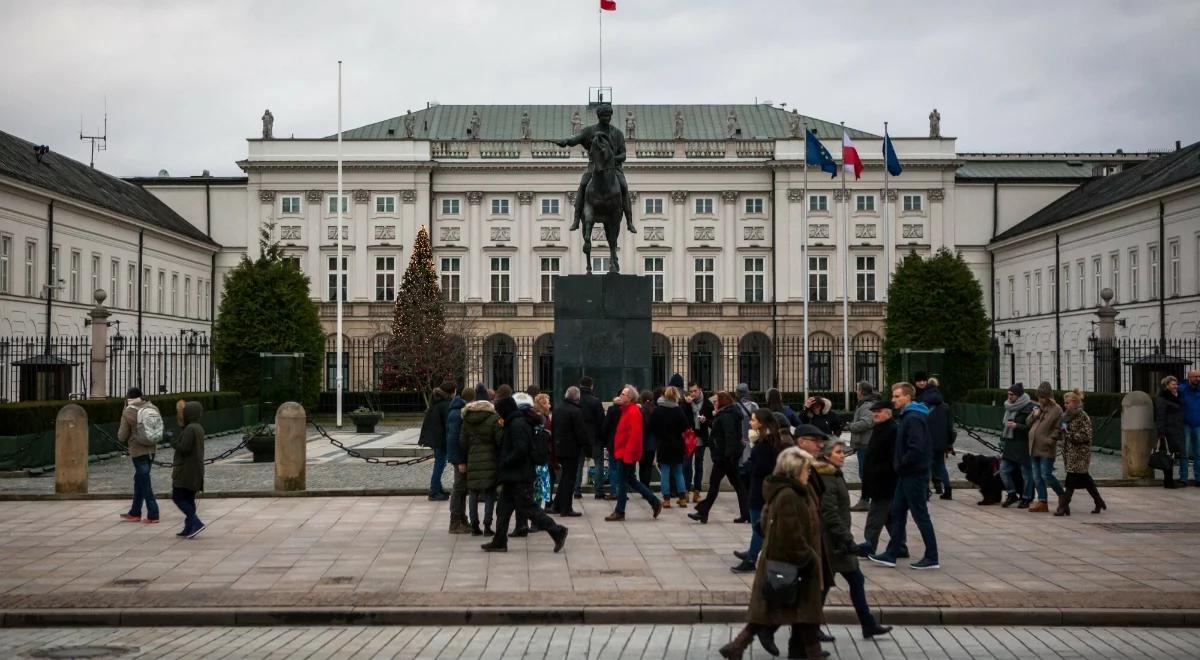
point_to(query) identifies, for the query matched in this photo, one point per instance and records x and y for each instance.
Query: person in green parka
(479, 441)
(792, 533)
(187, 475)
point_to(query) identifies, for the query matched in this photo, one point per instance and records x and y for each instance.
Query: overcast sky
(187, 82)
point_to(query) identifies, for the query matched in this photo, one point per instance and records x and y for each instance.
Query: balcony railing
(755, 149)
(654, 149)
(705, 149)
(449, 149)
(495, 149)
(513, 149)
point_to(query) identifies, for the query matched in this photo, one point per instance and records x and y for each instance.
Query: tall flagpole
(845, 279)
(341, 273)
(887, 233)
(600, 92)
(804, 258)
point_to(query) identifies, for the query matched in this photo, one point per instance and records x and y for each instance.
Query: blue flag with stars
(816, 154)
(889, 156)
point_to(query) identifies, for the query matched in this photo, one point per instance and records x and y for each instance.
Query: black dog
(983, 471)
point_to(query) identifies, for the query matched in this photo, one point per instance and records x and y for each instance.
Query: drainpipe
(1162, 278)
(141, 301)
(774, 288)
(49, 269)
(992, 266)
(212, 278)
(1057, 318)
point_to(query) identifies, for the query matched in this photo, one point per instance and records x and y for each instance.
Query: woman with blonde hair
(667, 423)
(792, 533)
(1076, 429)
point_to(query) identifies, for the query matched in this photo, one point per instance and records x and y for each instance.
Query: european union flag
(815, 153)
(889, 156)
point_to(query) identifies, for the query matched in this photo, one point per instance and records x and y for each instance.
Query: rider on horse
(604, 114)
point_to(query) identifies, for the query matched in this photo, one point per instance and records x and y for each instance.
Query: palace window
(549, 275)
(76, 266)
(1133, 274)
(1028, 296)
(1115, 261)
(499, 207)
(704, 206)
(187, 296)
(450, 206)
(818, 203)
(30, 268)
(1066, 280)
(865, 274)
(864, 203)
(1012, 296)
(818, 279)
(653, 206)
(1079, 278)
(754, 278)
(130, 283)
(336, 278)
(332, 206)
(5, 259)
(1037, 292)
(653, 267)
(54, 273)
(754, 205)
(289, 204)
(501, 279)
(1173, 251)
(550, 206)
(1098, 277)
(1152, 251)
(385, 279)
(385, 204)
(162, 292)
(451, 278)
(95, 272)
(705, 279)
(174, 293)
(912, 203)
(114, 283)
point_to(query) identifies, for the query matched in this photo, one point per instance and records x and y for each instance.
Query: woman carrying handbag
(787, 582)
(1168, 421)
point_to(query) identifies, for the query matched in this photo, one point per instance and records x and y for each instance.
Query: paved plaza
(599, 642)
(395, 551)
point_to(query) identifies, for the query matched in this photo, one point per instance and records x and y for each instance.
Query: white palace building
(719, 194)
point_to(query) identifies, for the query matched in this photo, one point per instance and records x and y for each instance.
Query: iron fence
(1126, 363)
(713, 362)
(158, 364)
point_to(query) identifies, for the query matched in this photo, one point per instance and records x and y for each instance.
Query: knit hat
(1045, 391)
(1018, 389)
(505, 407)
(920, 376)
(742, 391)
(676, 381)
(522, 400)
(481, 393)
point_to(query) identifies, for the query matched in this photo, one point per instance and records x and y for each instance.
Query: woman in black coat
(667, 424)
(764, 432)
(1169, 422)
(726, 442)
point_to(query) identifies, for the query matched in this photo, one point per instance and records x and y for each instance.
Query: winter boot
(1064, 503)
(737, 646)
(1099, 501)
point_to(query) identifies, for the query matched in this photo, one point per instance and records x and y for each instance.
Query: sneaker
(196, 532)
(1012, 499)
(492, 547)
(459, 528)
(184, 533)
(903, 554)
(825, 638)
(152, 521)
(559, 535)
(438, 497)
(863, 551)
(744, 567)
(946, 495)
(883, 560)
(128, 517)
(925, 564)
(1024, 504)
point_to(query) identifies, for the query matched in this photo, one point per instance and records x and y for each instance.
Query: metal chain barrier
(34, 438)
(246, 436)
(391, 462)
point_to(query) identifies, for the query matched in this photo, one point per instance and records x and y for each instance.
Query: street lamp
(1008, 350)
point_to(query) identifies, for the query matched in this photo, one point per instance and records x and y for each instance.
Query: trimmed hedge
(1096, 404)
(25, 417)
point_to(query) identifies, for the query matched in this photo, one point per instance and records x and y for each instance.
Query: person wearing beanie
(747, 406)
(1014, 448)
(481, 392)
(1043, 447)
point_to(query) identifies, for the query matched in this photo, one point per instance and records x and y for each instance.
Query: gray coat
(860, 427)
(835, 520)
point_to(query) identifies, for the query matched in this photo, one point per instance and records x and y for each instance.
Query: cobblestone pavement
(331, 469)
(643, 642)
(388, 551)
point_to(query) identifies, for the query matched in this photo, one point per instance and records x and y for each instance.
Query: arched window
(498, 360)
(820, 362)
(704, 360)
(754, 361)
(660, 353)
(543, 361)
(867, 362)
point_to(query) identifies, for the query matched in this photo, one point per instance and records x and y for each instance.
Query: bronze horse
(604, 202)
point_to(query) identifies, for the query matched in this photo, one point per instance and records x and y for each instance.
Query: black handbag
(1161, 458)
(781, 583)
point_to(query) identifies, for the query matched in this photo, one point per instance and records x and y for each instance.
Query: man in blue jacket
(912, 456)
(1189, 393)
(458, 461)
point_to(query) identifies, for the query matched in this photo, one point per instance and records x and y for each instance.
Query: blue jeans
(439, 466)
(185, 499)
(911, 495)
(1043, 476)
(143, 489)
(612, 473)
(1191, 447)
(694, 469)
(624, 477)
(861, 455)
(1006, 470)
(939, 470)
(756, 541)
(672, 480)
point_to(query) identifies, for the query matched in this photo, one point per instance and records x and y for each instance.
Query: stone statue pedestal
(602, 330)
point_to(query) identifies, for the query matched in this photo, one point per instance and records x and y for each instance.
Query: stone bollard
(71, 450)
(1138, 435)
(290, 445)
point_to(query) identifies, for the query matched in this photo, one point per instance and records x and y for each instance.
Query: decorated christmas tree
(421, 354)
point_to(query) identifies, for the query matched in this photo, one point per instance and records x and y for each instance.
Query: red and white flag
(608, 5)
(850, 159)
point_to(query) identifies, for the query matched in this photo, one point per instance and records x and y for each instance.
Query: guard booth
(929, 360)
(1149, 370)
(281, 375)
(44, 377)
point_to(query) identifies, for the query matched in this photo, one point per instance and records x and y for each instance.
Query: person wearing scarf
(1014, 447)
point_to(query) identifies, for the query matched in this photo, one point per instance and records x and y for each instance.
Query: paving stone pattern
(329, 468)
(389, 551)
(637, 642)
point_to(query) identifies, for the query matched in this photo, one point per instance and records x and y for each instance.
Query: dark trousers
(911, 495)
(143, 489)
(185, 499)
(858, 596)
(879, 516)
(458, 497)
(940, 473)
(693, 469)
(439, 466)
(518, 497)
(724, 470)
(566, 484)
(489, 505)
(645, 468)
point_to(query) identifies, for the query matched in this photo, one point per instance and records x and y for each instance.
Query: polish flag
(850, 160)
(608, 5)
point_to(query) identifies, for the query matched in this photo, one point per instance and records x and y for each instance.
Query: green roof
(1040, 169)
(546, 122)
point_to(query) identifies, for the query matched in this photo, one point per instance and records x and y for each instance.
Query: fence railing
(713, 362)
(1122, 364)
(158, 364)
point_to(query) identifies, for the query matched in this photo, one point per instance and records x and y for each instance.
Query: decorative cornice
(841, 195)
(314, 195)
(571, 196)
(892, 195)
(362, 196)
(392, 165)
(679, 196)
(266, 196)
(525, 197)
(795, 194)
(729, 196)
(937, 194)
(474, 198)
(408, 195)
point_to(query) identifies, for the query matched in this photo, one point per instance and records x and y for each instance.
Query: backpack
(539, 449)
(149, 430)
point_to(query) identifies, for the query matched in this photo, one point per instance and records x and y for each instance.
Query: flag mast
(600, 91)
(887, 233)
(845, 279)
(337, 285)
(804, 258)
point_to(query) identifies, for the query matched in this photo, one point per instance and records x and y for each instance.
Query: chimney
(1178, 146)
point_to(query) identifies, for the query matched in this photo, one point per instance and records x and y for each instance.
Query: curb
(577, 615)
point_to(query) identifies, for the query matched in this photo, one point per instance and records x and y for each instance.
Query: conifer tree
(938, 303)
(421, 354)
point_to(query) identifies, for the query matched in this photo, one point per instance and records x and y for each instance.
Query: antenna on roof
(99, 142)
